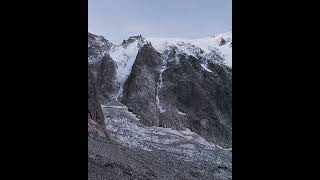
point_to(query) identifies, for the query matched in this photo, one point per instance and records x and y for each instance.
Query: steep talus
(173, 154)
(110, 160)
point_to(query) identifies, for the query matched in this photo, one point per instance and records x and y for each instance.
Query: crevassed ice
(128, 130)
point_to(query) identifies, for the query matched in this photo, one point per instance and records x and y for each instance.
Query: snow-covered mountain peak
(216, 49)
(219, 44)
(132, 39)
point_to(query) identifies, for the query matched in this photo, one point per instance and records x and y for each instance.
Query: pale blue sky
(119, 19)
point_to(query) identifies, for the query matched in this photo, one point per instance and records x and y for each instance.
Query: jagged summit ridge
(98, 47)
(132, 39)
(220, 44)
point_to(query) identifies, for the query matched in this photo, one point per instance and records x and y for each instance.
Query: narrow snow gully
(159, 86)
(124, 58)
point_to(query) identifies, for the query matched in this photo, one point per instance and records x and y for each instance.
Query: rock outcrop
(106, 79)
(98, 46)
(181, 94)
(140, 88)
(94, 106)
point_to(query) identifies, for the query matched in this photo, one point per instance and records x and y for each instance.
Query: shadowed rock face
(140, 87)
(94, 107)
(189, 96)
(203, 97)
(106, 78)
(101, 66)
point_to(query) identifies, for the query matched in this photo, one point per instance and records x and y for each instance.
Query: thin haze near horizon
(118, 19)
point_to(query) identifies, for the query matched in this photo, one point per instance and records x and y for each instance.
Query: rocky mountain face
(132, 39)
(156, 98)
(106, 78)
(181, 94)
(140, 89)
(94, 106)
(98, 46)
(202, 98)
(101, 66)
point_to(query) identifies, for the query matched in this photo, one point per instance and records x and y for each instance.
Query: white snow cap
(207, 44)
(125, 56)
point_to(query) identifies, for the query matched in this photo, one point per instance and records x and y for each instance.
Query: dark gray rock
(222, 42)
(132, 39)
(140, 87)
(102, 67)
(190, 96)
(106, 79)
(205, 98)
(97, 47)
(107, 159)
(110, 160)
(94, 107)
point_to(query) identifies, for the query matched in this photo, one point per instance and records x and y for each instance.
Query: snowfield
(207, 44)
(124, 57)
